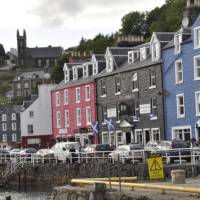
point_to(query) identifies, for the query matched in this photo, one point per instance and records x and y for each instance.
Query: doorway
(128, 138)
(146, 135)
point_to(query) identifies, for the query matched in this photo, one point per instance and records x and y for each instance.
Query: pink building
(73, 104)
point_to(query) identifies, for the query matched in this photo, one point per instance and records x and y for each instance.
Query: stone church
(42, 57)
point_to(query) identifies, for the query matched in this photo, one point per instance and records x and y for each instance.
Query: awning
(125, 124)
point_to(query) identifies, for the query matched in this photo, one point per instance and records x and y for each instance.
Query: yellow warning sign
(155, 166)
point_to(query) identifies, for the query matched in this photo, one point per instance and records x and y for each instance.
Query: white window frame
(28, 129)
(197, 103)
(196, 68)
(66, 76)
(121, 141)
(196, 40)
(78, 95)
(155, 48)
(75, 73)
(118, 85)
(4, 126)
(109, 63)
(66, 118)
(85, 71)
(14, 137)
(177, 43)
(14, 126)
(179, 115)
(153, 134)
(87, 93)
(31, 113)
(143, 53)
(66, 96)
(103, 88)
(105, 135)
(88, 115)
(135, 80)
(177, 81)
(78, 116)
(181, 128)
(57, 98)
(14, 116)
(95, 68)
(58, 119)
(130, 57)
(139, 132)
(4, 117)
(151, 78)
(4, 138)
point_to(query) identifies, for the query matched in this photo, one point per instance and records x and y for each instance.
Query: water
(25, 196)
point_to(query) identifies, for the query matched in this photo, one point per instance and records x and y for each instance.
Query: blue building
(181, 82)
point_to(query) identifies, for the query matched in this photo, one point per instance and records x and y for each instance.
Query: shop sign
(145, 109)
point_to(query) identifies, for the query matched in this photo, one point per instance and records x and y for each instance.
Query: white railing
(180, 156)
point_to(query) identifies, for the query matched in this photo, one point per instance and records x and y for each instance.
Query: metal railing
(191, 155)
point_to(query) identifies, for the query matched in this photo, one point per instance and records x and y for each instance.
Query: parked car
(14, 152)
(65, 150)
(28, 152)
(151, 145)
(45, 153)
(4, 153)
(127, 152)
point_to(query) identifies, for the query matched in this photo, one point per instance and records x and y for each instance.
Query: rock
(178, 176)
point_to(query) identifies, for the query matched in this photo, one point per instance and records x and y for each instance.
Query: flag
(95, 127)
(109, 125)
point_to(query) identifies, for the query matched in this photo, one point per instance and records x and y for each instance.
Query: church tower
(21, 48)
(191, 12)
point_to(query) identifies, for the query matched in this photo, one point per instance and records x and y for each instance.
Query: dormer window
(85, 71)
(66, 75)
(109, 64)
(155, 51)
(133, 56)
(75, 73)
(143, 53)
(177, 43)
(95, 68)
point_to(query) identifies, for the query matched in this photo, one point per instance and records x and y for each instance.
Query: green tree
(2, 51)
(57, 74)
(133, 24)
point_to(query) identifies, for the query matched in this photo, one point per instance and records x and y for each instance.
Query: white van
(63, 150)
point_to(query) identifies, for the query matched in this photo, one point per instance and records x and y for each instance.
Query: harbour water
(25, 196)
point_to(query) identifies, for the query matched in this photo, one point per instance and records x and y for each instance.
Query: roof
(31, 75)
(165, 36)
(44, 52)
(15, 108)
(120, 51)
(100, 57)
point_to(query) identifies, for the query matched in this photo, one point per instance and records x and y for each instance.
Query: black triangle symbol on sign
(155, 166)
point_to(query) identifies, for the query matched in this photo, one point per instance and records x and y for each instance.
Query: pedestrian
(193, 141)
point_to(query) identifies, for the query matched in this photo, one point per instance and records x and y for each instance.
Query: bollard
(178, 176)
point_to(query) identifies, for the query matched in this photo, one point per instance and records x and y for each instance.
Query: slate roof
(100, 57)
(30, 75)
(120, 51)
(44, 52)
(165, 36)
(15, 108)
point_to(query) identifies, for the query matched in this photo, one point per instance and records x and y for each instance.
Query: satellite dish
(185, 22)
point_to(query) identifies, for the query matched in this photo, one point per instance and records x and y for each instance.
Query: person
(193, 141)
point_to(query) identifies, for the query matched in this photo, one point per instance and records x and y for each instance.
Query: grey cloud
(55, 12)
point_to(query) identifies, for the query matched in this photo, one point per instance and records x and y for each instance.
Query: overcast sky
(64, 22)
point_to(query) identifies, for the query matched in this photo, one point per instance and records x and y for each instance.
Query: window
(117, 85)
(75, 73)
(112, 137)
(104, 113)
(14, 116)
(57, 98)
(66, 72)
(181, 133)
(139, 136)
(78, 95)
(153, 107)
(197, 68)
(30, 129)
(4, 118)
(66, 118)
(177, 43)
(119, 138)
(78, 116)
(155, 134)
(179, 71)
(197, 99)
(136, 110)
(105, 138)
(143, 53)
(26, 85)
(135, 82)
(18, 85)
(66, 98)
(180, 106)
(87, 92)
(31, 113)
(155, 51)
(14, 126)
(14, 137)
(85, 70)
(95, 68)
(4, 138)
(117, 112)
(47, 62)
(130, 57)
(58, 123)
(197, 37)
(109, 64)
(39, 63)
(103, 88)
(4, 127)
(152, 78)
(88, 116)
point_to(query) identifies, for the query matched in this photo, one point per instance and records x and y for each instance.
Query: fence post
(180, 159)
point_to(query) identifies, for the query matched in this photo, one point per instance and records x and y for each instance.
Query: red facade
(72, 130)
